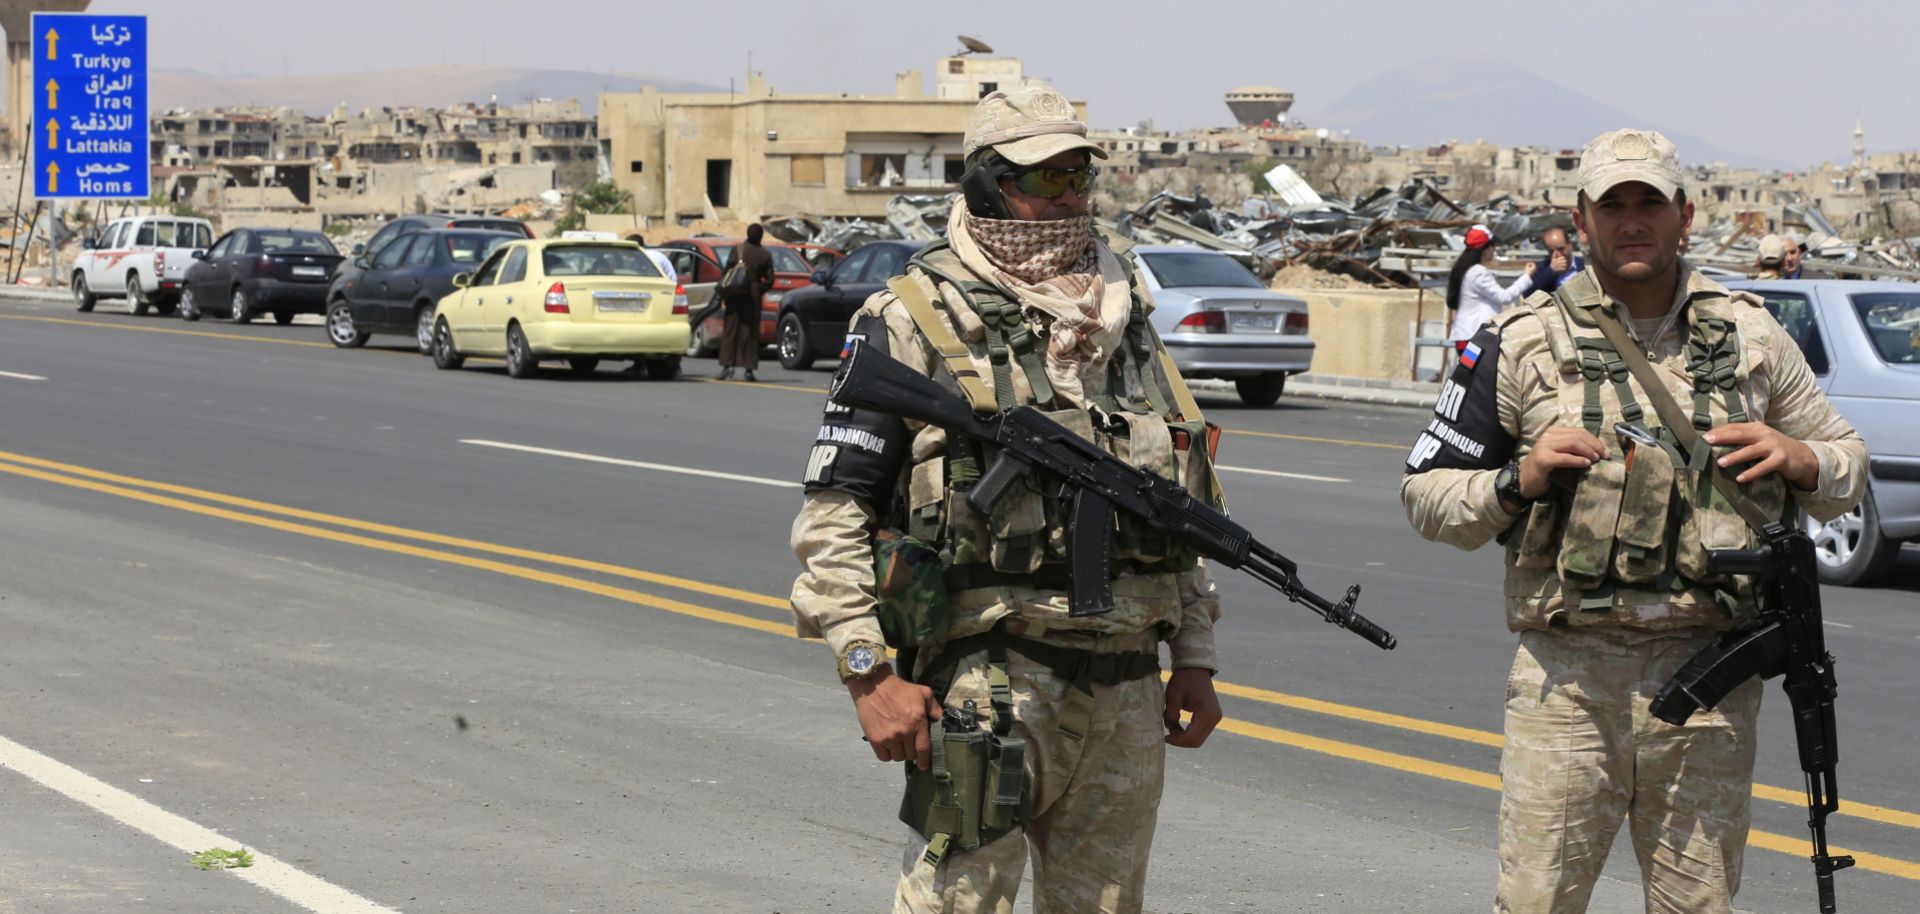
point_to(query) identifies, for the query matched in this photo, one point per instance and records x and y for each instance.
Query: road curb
(1350, 390)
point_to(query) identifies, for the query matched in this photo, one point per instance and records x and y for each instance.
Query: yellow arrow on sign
(53, 95)
(53, 133)
(53, 177)
(53, 42)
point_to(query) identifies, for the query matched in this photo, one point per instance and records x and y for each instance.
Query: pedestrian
(1607, 581)
(1792, 251)
(740, 326)
(1560, 264)
(1474, 294)
(1773, 250)
(1024, 303)
(660, 261)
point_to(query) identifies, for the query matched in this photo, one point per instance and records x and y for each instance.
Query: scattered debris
(219, 858)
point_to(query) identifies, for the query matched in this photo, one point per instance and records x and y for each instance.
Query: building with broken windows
(754, 153)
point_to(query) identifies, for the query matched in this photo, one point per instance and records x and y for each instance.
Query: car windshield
(474, 248)
(1893, 324)
(1199, 269)
(295, 243)
(787, 260)
(596, 260)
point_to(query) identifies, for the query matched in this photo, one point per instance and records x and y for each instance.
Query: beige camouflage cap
(1772, 248)
(1028, 125)
(1626, 155)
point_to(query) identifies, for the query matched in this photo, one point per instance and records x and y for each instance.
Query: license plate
(1253, 322)
(309, 271)
(618, 301)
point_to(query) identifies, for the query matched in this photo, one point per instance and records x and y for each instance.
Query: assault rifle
(1785, 639)
(1097, 482)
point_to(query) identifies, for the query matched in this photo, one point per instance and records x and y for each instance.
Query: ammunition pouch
(911, 586)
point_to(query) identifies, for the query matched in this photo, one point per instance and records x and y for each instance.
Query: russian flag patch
(1470, 355)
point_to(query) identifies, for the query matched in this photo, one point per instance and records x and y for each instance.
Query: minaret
(1859, 146)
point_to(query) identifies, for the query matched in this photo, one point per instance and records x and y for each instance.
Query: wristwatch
(860, 659)
(1506, 485)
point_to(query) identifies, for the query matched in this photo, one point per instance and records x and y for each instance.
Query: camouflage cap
(1772, 248)
(1028, 125)
(1626, 155)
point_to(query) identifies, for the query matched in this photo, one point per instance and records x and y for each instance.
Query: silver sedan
(1219, 321)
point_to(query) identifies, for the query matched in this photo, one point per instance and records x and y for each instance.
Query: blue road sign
(89, 135)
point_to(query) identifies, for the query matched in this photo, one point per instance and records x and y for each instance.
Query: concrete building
(745, 155)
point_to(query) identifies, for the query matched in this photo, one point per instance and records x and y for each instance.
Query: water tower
(16, 19)
(1254, 106)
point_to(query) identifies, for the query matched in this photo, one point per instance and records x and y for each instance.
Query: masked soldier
(1607, 535)
(1026, 730)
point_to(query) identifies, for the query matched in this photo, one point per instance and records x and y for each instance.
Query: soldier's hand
(894, 715)
(1560, 447)
(1771, 450)
(1191, 689)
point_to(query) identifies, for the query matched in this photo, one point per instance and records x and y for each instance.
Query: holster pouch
(951, 798)
(1640, 535)
(1586, 549)
(911, 584)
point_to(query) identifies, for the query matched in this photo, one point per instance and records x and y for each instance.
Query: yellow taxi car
(581, 299)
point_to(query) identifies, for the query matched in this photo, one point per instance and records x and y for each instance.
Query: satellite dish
(1321, 133)
(972, 46)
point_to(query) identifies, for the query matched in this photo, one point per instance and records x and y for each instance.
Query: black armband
(857, 451)
(1465, 431)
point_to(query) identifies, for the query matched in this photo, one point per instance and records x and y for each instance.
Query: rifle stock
(1100, 485)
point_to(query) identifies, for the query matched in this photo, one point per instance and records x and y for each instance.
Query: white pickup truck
(141, 258)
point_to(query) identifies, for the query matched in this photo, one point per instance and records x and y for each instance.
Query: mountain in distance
(423, 86)
(1477, 98)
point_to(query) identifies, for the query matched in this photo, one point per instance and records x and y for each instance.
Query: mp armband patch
(856, 451)
(1464, 432)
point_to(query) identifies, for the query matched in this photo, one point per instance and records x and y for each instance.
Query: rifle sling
(1673, 416)
(916, 293)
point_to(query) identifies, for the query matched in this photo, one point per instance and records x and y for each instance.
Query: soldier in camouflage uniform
(1606, 538)
(1023, 304)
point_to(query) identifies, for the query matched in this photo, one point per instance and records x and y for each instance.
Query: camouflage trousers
(1095, 802)
(1583, 752)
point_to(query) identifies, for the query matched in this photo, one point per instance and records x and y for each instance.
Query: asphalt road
(447, 641)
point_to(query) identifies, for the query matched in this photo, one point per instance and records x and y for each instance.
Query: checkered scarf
(1036, 252)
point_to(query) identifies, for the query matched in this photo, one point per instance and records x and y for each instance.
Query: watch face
(860, 660)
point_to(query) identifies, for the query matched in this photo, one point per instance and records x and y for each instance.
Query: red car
(699, 260)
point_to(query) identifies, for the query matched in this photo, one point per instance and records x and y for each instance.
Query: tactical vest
(1628, 545)
(1024, 541)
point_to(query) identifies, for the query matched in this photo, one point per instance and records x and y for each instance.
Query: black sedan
(813, 319)
(252, 271)
(395, 289)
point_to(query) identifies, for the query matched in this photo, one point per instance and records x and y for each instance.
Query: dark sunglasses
(1050, 183)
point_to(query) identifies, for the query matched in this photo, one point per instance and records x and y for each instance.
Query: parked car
(578, 300)
(394, 291)
(813, 319)
(141, 258)
(253, 271)
(1219, 321)
(405, 225)
(790, 272)
(1862, 340)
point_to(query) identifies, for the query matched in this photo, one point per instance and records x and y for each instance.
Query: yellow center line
(1849, 808)
(206, 333)
(762, 385)
(715, 590)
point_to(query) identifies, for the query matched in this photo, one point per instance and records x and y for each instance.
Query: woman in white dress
(1473, 294)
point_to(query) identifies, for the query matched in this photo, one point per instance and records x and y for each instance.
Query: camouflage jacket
(1511, 386)
(833, 597)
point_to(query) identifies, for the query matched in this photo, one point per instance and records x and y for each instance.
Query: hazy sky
(1786, 78)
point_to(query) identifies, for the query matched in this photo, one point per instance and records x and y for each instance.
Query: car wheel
(189, 308)
(1261, 391)
(445, 357)
(340, 327)
(664, 369)
(1850, 550)
(700, 346)
(791, 340)
(583, 365)
(520, 360)
(423, 327)
(83, 297)
(242, 311)
(137, 303)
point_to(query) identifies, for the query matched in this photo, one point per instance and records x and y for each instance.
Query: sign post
(90, 107)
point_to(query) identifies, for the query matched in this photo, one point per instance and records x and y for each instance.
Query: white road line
(1282, 475)
(267, 872)
(637, 464)
(22, 377)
